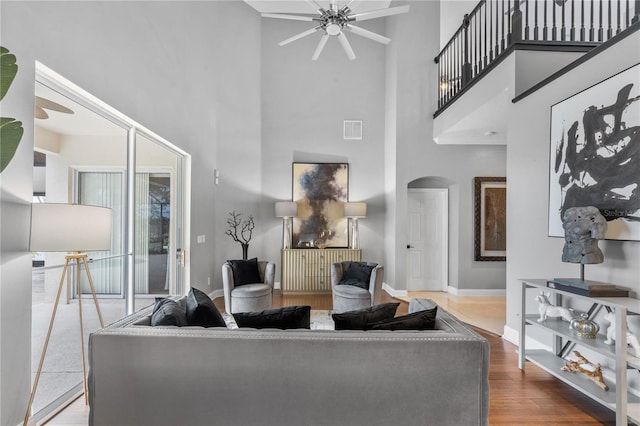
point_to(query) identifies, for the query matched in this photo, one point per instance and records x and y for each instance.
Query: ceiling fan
(333, 22)
(42, 104)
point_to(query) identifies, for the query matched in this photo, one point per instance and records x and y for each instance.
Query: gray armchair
(248, 297)
(349, 297)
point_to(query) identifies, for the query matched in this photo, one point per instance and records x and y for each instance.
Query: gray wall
(187, 71)
(410, 128)
(532, 254)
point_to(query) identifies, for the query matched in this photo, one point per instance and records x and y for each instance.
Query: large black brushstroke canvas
(320, 190)
(595, 155)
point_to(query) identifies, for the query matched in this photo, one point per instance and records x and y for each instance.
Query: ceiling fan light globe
(333, 29)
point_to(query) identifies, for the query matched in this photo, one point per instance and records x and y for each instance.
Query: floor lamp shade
(70, 227)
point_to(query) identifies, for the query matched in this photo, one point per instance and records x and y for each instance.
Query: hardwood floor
(532, 397)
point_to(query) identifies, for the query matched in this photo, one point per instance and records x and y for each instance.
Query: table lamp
(72, 228)
(286, 210)
(354, 211)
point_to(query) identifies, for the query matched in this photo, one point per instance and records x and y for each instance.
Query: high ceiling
(301, 6)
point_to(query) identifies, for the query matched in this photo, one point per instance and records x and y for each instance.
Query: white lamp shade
(70, 227)
(286, 209)
(355, 209)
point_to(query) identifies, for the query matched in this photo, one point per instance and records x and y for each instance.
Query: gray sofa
(141, 375)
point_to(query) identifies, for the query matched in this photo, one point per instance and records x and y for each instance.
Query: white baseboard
(393, 292)
(512, 335)
(216, 293)
(476, 292)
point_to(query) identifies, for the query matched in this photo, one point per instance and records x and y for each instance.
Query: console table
(309, 270)
(625, 404)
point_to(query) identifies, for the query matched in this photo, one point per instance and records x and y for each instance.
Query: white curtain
(105, 189)
(142, 233)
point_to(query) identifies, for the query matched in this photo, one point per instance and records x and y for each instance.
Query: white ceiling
(302, 7)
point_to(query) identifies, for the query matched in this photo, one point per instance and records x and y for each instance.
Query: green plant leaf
(8, 70)
(10, 135)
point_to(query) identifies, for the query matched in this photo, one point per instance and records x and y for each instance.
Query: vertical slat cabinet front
(309, 270)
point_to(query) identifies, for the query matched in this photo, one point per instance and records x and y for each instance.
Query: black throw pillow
(201, 310)
(168, 312)
(360, 319)
(358, 274)
(422, 320)
(282, 318)
(245, 271)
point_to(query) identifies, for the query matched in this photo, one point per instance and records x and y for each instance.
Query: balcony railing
(494, 26)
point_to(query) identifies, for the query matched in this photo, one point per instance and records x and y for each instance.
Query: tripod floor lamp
(75, 229)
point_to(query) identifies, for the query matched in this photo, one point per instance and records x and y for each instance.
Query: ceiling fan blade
(379, 13)
(346, 46)
(40, 113)
(53, 106)
(315, 6)
(368, 34)
(299, 36)
(321, 44)
(292, 17)
(350, 5)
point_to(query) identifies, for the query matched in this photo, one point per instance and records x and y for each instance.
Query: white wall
(532, 254)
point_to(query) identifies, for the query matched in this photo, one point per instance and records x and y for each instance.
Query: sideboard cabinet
(309, 270)
(625, 404)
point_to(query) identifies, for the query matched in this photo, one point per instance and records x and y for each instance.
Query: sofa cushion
(168, 312)
(357, 274)
(201, 310)
(282, 318)
(421, 320)
(245, 271)
(362, 318)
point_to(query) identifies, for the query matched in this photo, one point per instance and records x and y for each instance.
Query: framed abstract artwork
(595, 155)
(490, 217)
(320, 190)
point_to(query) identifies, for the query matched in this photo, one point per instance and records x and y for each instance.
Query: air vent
(353, 129)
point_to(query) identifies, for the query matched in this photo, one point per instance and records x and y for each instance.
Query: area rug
(321, 320)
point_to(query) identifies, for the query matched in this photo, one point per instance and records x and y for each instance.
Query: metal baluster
(600, 30)
(509, 29)
(636, 12)
(476, 60)
(486, 46)
(497, 29)
(591, 27)
(489, 17)
(618, 29)
(572, 34)
(609, 30)
(564, 28)
(502, 40)
(545, 28)
(554, 28)
(582, 33)
(526, 19)
(535, 19)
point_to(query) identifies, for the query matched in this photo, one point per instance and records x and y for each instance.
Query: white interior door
(427, 258)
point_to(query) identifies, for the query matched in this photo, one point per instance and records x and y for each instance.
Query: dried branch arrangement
(240, 230)
(594, 373)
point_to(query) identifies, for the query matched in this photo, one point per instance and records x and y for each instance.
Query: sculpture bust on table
(583, 227)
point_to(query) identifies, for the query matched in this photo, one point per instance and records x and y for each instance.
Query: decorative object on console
(632, 339)
(587, 288)
(69, 228)
(592, 133)
(335, 21)
(584, 327)
(240, 230)
(320, 189)
(286, 210)
(583, 227)
(589, 369)
(547, 310)
(354, 211)
(490, 217)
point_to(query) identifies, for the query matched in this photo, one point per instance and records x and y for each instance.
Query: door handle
(410, 246)
(180, 257)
